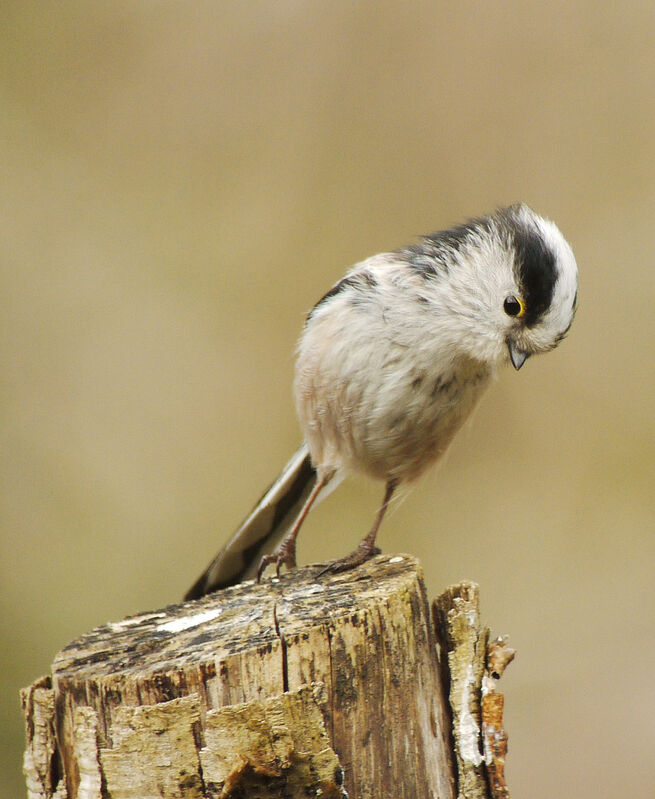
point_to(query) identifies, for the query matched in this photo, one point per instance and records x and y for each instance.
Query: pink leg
(285, 553)
(366, 548)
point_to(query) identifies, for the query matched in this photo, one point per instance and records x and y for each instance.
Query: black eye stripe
(535, 267)
(536, 273)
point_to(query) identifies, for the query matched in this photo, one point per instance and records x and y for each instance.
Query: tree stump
(301, 686)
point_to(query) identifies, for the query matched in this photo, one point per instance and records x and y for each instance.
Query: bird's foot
(364, 552)
(285, 554)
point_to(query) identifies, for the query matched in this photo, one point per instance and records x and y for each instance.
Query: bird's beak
(518, 356)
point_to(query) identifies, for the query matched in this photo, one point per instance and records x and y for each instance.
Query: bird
(392, 360)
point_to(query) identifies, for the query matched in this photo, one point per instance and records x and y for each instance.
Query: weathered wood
(494, 737)
(287, 688)
(464, 639)
(473, 668)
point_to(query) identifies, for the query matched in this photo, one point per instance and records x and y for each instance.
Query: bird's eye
(513, 306)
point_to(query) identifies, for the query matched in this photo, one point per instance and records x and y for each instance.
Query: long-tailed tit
(393, 359)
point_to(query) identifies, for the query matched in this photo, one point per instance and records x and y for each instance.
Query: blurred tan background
(182, 181)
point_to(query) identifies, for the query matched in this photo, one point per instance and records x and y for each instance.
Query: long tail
(271, 517)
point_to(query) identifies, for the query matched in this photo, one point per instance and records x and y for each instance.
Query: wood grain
(302, 686)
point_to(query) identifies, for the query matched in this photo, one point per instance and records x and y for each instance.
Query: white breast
(378, 389)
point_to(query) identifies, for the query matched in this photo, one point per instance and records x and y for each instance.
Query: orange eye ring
(514, 306)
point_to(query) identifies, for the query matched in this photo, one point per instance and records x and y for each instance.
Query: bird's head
(508, 283)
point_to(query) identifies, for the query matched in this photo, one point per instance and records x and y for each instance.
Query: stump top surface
(236, 619)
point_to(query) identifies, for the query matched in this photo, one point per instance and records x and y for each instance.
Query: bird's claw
(284, 554)
(364, 552)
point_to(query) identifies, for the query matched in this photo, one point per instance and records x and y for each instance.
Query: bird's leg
(286, 550)
(366, 548)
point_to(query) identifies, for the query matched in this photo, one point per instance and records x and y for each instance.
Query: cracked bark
(473, 666)
(294, 687)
